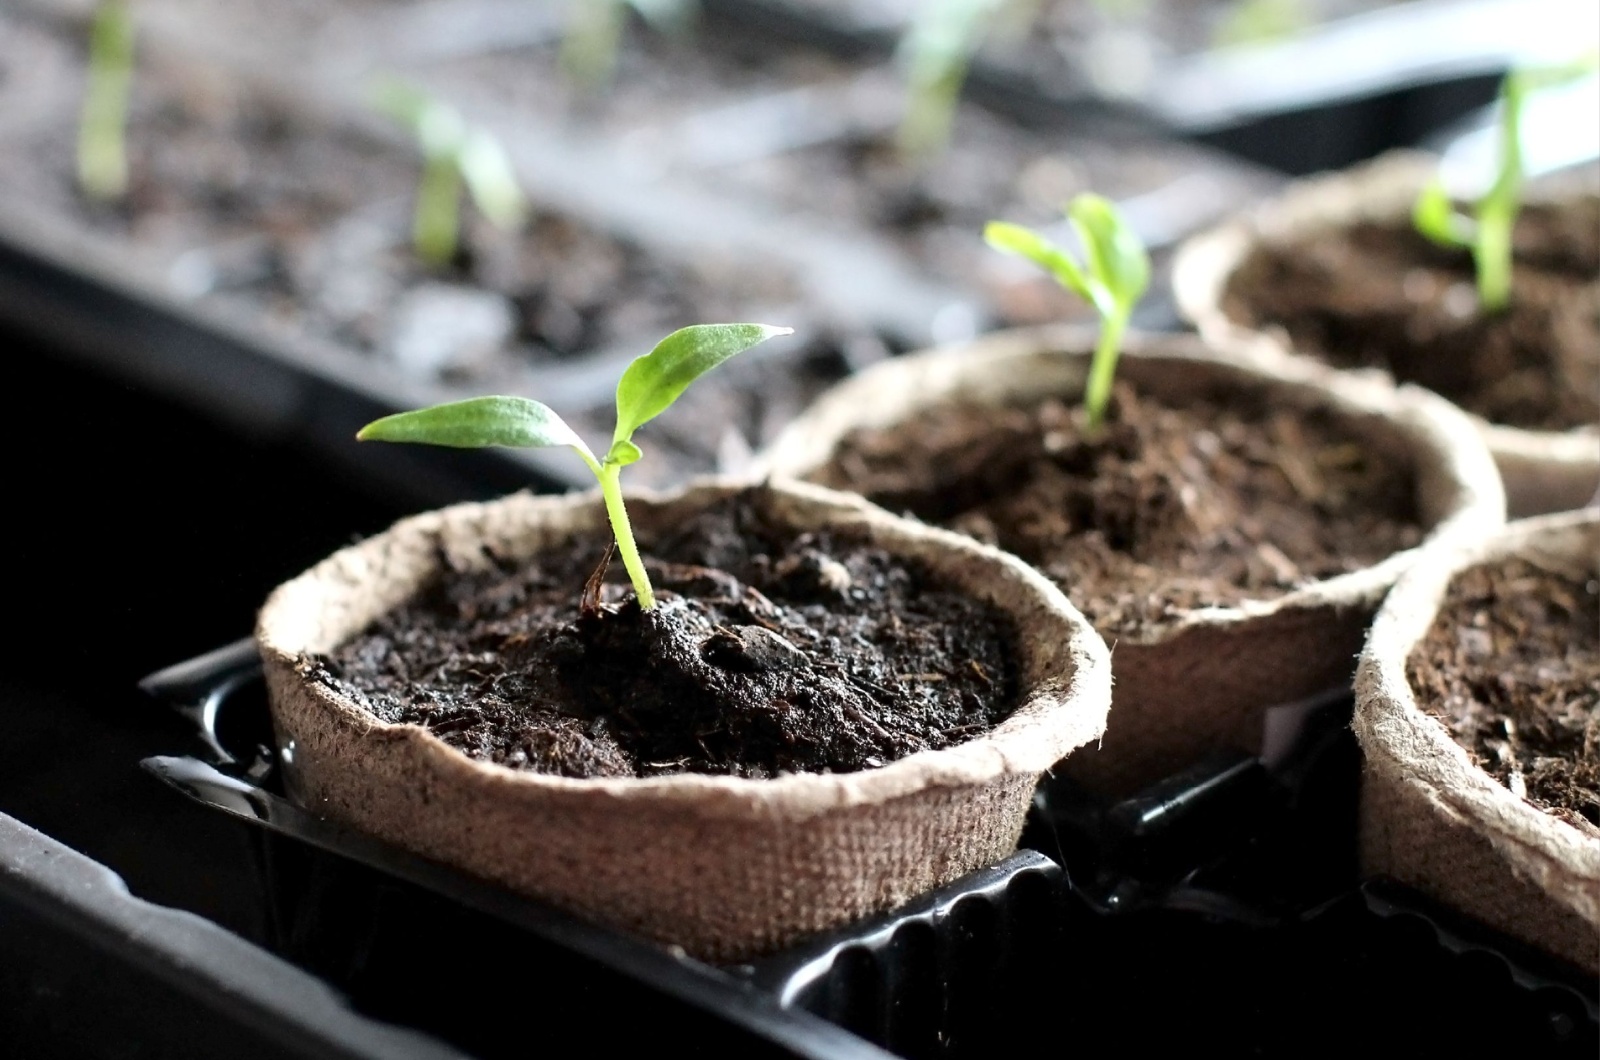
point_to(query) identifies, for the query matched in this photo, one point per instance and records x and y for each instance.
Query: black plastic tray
(1218, 909)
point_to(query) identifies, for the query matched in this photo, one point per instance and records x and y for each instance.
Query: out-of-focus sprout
(1112, 278)
(594, 33)
(647, 388)
(1486, 231)
(102, 149)
(933, 57)
(453, 154)
(1262, 22)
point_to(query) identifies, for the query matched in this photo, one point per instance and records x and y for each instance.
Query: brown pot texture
(1434, 820)
(1207, 680)
(1543, 471)
(725, 867)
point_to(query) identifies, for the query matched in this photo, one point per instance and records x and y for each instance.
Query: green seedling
(1262, 22)
(594, 33)
(934, 56)
(1112, 278)
(102, 150)
(1486, 230)
(647, 388)
(453, 155)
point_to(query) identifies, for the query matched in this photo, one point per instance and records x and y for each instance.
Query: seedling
(648, 388)
(102, 150)
(934, 56)
(453, 154)
(1486, 231)
(1112, 278)
(594, 33)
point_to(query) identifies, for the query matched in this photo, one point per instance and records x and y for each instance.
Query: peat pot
(724, 866)
(1197, 674)
(1333, 272)
(1432, 813)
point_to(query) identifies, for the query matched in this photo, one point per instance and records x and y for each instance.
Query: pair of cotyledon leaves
(648, 388)
(1115, 270)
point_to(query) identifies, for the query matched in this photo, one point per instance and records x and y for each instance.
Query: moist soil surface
(768, 653)
(1379, 295)
(1512, 668)
(1166, 509)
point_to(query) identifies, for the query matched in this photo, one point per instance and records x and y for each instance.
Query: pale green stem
(593, 37)
(1491, 253)
(436, 226)
(610, 476)
(930, 113)
(1103, 369)
(102, 151)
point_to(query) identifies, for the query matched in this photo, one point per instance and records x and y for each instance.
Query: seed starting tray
(1219, 908)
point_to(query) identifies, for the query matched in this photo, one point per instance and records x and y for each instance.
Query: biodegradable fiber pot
(726, 867)
(1206, 679)
(1543, 471)
(1433, 819)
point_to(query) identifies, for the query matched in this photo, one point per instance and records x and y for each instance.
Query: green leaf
(1435, 217)
(1026, 243)
(437, 126)
(1116, 255)
(653, 382)
(476, 423)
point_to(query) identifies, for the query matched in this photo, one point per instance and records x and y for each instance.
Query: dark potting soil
(1511, 666)
(768, 653)
(1171, 508)
(1381, 295)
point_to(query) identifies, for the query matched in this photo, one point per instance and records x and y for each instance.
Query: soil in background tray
(1511, 666)
(1381, 295)
(301, 225)
(768, 653)
(1170, 509)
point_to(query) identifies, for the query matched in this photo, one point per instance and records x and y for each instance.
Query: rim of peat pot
(1543, 471)
(726, 867)
(1208, 679)
(1433, 819)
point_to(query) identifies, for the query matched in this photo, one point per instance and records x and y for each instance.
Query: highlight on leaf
(1486, 229)
(648, 387)
(454, 155)
(1112, 278)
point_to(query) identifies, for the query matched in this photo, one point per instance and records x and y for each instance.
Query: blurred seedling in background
(1112, 278)
(647, 388)
(1249, 22)
(453, 155)
(102, 126)
(594, 33)
(934, 56)
(1487, 229)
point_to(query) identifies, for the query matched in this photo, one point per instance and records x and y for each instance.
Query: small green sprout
(1112, 278)
(934, 56)
(1262, 22)
(453, 154)
(647, 388)
(1487, 230)
(594, 33)
(102, 151)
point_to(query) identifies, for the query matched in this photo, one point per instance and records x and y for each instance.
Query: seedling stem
(102, 149)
